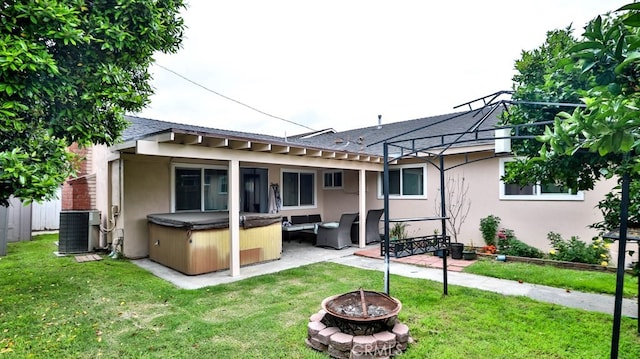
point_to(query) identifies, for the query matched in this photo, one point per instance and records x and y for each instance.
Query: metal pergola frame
(408, 149)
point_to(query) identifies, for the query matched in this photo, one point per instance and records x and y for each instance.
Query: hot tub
(199, 242)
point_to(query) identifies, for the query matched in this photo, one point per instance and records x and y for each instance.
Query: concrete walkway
(587, 301)
(298, 254)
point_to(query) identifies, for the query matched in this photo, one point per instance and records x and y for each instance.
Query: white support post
(234, 217)
(362, 208)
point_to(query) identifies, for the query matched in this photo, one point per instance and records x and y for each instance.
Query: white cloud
(341, 63)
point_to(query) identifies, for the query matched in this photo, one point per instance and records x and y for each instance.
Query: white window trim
(537, 196)
(324, 186)
(315, 187)
(401, 196)
(202, 167)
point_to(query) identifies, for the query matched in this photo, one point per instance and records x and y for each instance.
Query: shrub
(489, 229)
(399, 231)
(508, 244)
(575, 250)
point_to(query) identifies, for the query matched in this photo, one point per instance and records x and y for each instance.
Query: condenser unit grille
(74, 232)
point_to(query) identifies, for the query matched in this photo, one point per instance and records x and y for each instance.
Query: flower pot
(456, 250)
(468, 255)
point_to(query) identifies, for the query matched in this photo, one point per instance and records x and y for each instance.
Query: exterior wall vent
(79, 231)
(502, 142)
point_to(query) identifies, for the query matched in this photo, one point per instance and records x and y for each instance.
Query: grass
(56, 308)
(579, 280)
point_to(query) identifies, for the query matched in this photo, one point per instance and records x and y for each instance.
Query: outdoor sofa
(300, 225)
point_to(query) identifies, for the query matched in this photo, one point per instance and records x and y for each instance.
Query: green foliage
(398, 231)
(603, 282)
(510, 245)
(580, 145)
(489, 229)
(69, 70)
(610, 208)
(575, 250)
(635, 269)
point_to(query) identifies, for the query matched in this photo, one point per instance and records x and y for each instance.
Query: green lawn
(580, 280)
(56, 308)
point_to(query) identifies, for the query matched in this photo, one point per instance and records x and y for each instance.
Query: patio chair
(372, 226)
(336, 234)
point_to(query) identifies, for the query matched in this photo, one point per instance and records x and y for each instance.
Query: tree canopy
(601, 138)
(69, 71)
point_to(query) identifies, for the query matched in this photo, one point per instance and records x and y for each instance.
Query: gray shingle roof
(429, 132)
(142, 127)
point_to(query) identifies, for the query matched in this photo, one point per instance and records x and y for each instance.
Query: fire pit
(361, 312)
(358, 324)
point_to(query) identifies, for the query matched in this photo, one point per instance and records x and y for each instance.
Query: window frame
(333, 179)
(202, 168)
(314, 190)
(537, 195)
(402, 167)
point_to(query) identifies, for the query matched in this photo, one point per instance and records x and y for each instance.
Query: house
(163, 167)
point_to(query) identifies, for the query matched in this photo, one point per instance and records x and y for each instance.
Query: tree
(69, 71)
(457, 204)
(602, 139)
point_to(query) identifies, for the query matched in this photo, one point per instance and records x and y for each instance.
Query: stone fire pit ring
(358, 324)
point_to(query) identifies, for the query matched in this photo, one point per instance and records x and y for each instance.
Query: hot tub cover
(211, 220)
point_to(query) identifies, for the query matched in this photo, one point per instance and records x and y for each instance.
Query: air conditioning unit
(79, 231)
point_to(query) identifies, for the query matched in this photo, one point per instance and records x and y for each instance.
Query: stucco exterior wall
(340, 200)
(114, 194)
(530, 219)
(146, 189)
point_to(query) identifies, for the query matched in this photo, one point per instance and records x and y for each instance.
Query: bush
(489, 228)
(575, 250)
(508, 244)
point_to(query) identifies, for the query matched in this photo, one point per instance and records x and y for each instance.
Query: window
(332, 179)
(298, 188)
(406, 181)
(535, 191)
(199, 188)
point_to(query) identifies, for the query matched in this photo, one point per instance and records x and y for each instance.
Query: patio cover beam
(152, 148)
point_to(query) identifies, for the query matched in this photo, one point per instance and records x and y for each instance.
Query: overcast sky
(338, 64)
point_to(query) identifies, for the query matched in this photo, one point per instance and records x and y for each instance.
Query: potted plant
(489, 249)
(456, 250)
(489, 229)
(397, 235)
(457, 205)
(469, 252)
(398, 232)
